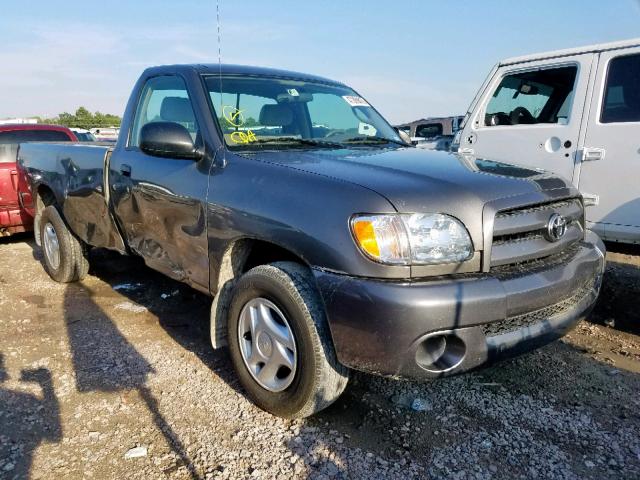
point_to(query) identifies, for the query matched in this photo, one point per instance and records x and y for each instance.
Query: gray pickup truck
(326, 243)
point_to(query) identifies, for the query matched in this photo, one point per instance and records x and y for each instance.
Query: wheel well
(261, 253)
(239, 258)
(44, 198)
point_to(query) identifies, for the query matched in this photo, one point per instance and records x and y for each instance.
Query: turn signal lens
(382, 237)
(366, 236)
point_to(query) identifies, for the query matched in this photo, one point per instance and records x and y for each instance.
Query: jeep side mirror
(168, 139)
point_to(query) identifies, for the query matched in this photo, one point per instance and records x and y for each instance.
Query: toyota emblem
(556, 227)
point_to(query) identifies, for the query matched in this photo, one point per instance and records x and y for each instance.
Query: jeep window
(622, 92)
(269, 113)
(429, 130)
(541, 96)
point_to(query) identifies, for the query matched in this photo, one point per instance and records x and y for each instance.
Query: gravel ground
(114, 378)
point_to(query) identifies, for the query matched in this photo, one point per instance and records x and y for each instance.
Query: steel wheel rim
(267, 345)
(51, 246)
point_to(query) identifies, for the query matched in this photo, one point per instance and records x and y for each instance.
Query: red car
(13, 217)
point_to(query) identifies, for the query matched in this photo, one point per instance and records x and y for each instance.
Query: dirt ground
(114, 377)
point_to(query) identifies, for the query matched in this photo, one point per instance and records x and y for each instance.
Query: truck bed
(77, 176)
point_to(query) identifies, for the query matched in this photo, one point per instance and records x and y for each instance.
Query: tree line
(83, 118)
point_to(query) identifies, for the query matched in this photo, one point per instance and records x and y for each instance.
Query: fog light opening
(440, 352)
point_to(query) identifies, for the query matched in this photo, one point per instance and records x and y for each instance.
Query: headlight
(412, 239)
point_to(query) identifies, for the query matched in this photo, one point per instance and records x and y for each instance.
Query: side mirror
(404, 136)
(168, 139)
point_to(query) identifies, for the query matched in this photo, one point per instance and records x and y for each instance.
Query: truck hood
(416, 180)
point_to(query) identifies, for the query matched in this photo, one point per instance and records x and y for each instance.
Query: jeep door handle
(125, 170)
(593, 154)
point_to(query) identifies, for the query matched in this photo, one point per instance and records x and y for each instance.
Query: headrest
(177, 109)
(276, 115)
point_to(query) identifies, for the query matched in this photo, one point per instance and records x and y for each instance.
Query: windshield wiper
(374, 139)
(299, 141)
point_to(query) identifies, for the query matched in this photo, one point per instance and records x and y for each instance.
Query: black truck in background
(326, 243)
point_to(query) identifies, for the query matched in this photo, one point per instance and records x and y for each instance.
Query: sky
(410, 59)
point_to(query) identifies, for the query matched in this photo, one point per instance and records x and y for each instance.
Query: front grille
(530, 267)
(519, 235)
(526, 319)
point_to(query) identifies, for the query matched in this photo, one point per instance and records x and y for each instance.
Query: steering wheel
(520, 115)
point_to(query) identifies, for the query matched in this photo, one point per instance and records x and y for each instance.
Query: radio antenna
(219, 44)
(224, 156)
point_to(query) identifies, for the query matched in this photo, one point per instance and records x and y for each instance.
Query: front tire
(280, 343)
(65, 256)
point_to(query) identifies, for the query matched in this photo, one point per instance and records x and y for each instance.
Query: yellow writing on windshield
(233, 116)
(243, 137)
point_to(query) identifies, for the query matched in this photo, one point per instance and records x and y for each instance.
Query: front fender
(303, 213)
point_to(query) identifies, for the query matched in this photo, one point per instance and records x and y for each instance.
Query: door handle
(125, 170)
(593, 154)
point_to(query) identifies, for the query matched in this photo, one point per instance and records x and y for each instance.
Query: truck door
(160, 202)
(610, 165)
(530, 114)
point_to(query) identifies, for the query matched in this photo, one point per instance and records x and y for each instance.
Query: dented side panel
(75, 175)
(160, 208)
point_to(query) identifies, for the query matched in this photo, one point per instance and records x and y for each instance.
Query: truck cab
(573, 112)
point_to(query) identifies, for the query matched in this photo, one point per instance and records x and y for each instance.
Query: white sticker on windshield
(293, 92)
(354, 101)
(366, 129)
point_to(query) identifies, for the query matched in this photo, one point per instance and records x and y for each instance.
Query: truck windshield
(256, 113)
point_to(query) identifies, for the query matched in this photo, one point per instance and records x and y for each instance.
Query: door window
(541, 96)
(164, 99)
(622, 91)
(429, 130)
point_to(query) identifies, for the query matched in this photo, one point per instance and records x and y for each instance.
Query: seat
(177, 110)
(276, 115)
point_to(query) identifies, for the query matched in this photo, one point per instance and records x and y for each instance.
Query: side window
(622, 91)
(541, 96)
(429, 130)
(164, 99)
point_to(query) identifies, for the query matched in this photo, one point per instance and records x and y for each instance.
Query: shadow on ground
(104, 360)
(618, 304)
(26, 420)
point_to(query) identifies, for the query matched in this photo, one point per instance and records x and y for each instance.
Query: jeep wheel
(280, 343)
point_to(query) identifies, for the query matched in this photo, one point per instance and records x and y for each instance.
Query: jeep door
(530, 114)
(610, 165)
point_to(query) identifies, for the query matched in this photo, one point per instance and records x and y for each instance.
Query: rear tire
(315, 379)
(65, 257)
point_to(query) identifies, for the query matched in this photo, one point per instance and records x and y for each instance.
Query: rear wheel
(280, 343)
(65, 256)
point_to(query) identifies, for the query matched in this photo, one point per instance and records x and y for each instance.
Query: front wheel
(65, 256)
(280, 342)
